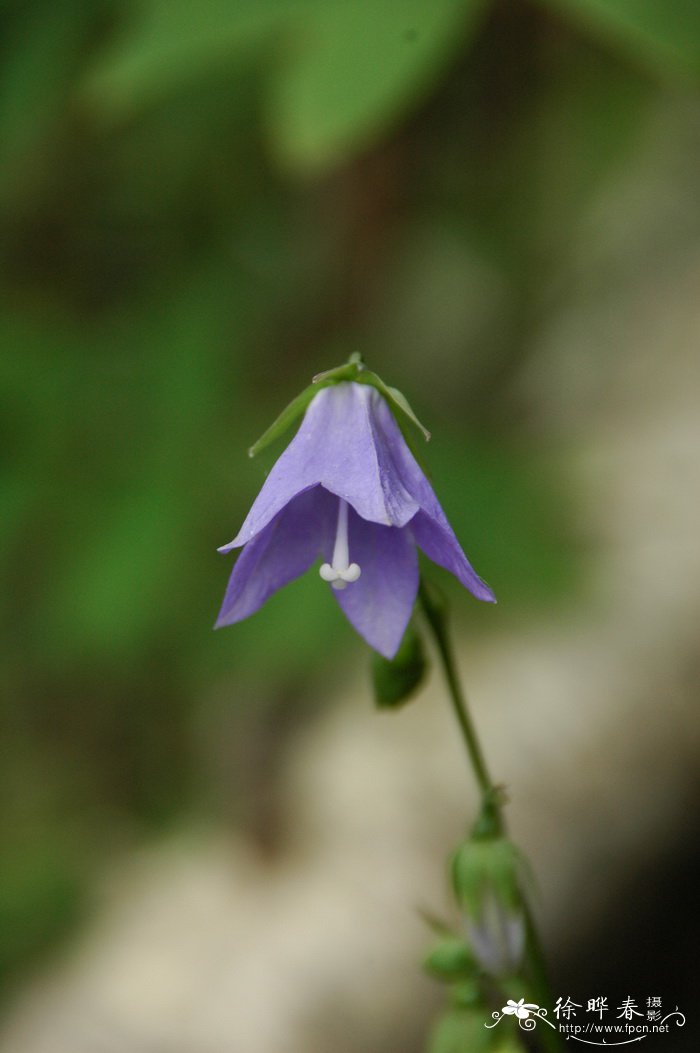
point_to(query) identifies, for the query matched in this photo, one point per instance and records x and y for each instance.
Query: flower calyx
(353, 370)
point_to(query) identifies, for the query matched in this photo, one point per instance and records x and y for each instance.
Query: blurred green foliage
(203, 205)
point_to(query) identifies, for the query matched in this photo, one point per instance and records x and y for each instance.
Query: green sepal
(353, 370)
(487, 867)
(296, 408)
(350, 370)
(395, 398)
(451, 960)
(396, 679)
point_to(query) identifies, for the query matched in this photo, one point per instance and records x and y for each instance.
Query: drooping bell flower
(348, 490)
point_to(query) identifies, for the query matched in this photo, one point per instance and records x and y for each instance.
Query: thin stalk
(491, 816)
(436, 617)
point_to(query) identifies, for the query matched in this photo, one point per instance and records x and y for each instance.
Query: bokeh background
(202, 205)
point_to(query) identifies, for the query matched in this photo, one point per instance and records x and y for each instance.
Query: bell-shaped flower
(349, 490)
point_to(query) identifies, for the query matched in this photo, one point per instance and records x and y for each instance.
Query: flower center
(340, 573)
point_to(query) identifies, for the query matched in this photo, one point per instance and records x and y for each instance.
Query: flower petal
(338, 447)
(436, 538)
(497, 938)
(430, 527)
(283, 550)
(380, 602)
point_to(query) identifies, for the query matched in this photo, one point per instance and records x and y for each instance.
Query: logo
(604, 1025)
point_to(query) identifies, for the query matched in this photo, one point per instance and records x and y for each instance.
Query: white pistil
(340, 573)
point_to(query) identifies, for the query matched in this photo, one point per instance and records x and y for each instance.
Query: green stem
(491, 820)
(435, 614)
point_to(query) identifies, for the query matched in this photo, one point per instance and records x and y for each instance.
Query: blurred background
(210, 841)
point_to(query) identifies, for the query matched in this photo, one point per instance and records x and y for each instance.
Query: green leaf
(354, 68)
(395, 680)
(665, 33)
(172, 41)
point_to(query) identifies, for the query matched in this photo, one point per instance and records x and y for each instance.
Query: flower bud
(486, 876)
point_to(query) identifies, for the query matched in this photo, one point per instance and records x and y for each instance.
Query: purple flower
(347, 488)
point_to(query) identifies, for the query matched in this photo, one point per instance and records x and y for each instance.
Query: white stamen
(340, 573)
